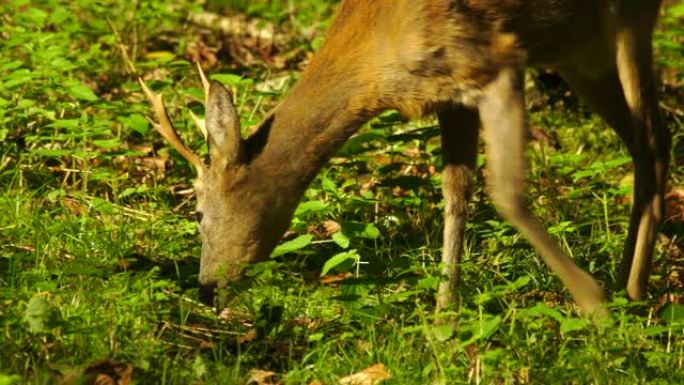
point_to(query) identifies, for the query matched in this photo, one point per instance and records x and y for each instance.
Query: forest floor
(99, 250)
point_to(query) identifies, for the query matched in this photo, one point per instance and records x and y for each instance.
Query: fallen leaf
(273, 85)
(331, 227)
(250, 336)
(74, 206)
(200, 52)
(334, 278)
(236, 25)
(260, 377)
(369, 376)
(539, 135)
(307, 322)
(145, 148)
(227, 315)
(674, 205)
(109, 372)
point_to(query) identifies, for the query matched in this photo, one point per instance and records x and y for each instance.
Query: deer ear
(223, 126)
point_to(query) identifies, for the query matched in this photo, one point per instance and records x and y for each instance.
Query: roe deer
(463, 60)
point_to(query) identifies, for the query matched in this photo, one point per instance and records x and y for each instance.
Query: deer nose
(207, 293)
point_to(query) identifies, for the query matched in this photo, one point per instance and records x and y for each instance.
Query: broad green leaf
(442, 332)
(16, 78)
(25, 103)
(51, 153)
(66, 123)
(340, 239)
(520, 282)
(339, 259)
(673, 313)
(483, 329)
(104, 207)
(431, 282)
(80, 91)
(199, 368)
(10, 65)
(329, 185)
(356, 144)
(136, 122)
(573, 324)
(40, 315)
(676, 11)
(542, 309)
(228, 79)
(9, 379)
(310, 207)
(401, 296)
(370, 232)
(293, 245)
(33, 16)
(598, 168)
(107, 143)
(655, 330)
(361, 230)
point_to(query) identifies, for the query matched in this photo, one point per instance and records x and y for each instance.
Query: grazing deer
(463, 60)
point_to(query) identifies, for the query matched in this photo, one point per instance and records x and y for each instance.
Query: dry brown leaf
(227, 315)
(311, 324)
(315, 382)
(276, 84)
(627, 182)
(539, 135)
(200, 52)
(24, 248)
(670, 298)
(74, 206)
(665, 300)
(110, 372)
(250, 336)
(237, 25)
(674, 205)
(145, 148)
(331, 227)
(335, 278)
(261, 377)
(367, 182)
(369, 376)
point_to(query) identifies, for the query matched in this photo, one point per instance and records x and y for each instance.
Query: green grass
(99, 251)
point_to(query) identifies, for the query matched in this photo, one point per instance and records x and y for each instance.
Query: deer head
(238, 222)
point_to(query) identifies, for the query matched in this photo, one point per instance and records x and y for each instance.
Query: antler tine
(166, 129)
(205, 81)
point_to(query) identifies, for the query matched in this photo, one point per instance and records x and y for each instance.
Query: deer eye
(198, 216)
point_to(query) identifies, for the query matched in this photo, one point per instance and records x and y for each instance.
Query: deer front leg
(459, 126)
(502, 112)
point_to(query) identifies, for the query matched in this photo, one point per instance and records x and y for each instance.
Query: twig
(130, 65)
(672, 110)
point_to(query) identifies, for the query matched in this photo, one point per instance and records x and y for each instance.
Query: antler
(166, 129)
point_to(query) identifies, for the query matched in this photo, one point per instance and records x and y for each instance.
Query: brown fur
(464, 60)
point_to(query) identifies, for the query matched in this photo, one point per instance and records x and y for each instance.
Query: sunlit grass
(99, 251)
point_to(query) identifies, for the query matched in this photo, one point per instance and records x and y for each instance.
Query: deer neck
(306, 130)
